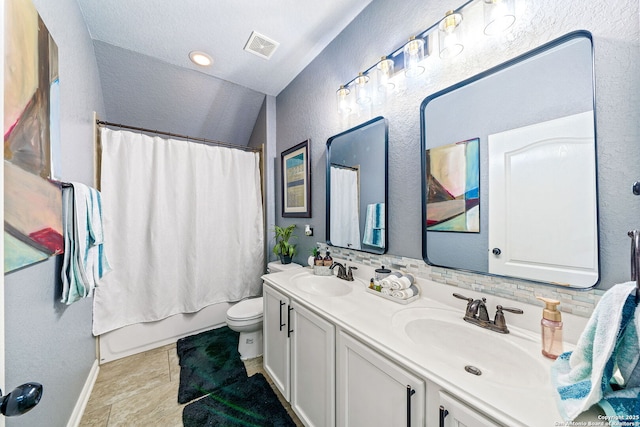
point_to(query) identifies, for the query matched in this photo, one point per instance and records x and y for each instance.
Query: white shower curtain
(344, 211)
(183, 228)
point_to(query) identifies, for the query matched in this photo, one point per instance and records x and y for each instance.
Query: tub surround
(374, 321)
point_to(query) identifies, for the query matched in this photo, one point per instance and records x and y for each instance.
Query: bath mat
(208, 360)
(247, 402)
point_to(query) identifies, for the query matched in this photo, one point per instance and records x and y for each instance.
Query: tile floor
(142, 390)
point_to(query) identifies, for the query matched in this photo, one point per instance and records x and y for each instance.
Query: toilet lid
(246, 309)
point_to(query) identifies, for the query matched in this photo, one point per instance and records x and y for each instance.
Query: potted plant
(283, 248)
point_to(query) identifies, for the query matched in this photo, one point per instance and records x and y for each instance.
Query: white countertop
(371, 318)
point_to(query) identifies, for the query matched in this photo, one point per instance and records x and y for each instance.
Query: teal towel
(85, 261)
(374, 234)
(604, 368)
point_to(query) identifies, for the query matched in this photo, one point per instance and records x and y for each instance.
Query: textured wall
(46, 341)
(306, 108)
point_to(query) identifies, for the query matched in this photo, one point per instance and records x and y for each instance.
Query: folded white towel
(403, 282)
(610, 340)
(386, 291)
(405, 293)
(385, 283)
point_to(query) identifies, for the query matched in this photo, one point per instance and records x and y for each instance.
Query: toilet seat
(249, 309)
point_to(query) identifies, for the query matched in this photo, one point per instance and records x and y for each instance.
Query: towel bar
(635, 260)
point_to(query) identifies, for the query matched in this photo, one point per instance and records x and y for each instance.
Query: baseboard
(81, 404)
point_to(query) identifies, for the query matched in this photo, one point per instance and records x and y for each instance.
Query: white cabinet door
(312, 368)
(373, 391)
(276, 342)
(454, 413)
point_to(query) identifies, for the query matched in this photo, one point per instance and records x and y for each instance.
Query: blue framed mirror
(509, 169)
(357, 187)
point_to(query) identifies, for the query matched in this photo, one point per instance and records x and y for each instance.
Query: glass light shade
(449, 35)
(385, 72)
(413, 53)
(342, 98)
(498, 15)
(363, 95)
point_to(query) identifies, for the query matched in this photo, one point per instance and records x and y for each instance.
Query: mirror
(509, 169)
(357, 187)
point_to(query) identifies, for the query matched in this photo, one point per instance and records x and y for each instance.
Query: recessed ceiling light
(200, 58)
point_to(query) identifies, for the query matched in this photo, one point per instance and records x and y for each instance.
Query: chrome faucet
(477, 314)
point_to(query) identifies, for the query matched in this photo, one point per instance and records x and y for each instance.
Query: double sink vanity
(342, 356)
(490, 171)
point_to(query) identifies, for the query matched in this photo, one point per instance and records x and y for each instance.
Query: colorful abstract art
(33, 201)
(453, 187)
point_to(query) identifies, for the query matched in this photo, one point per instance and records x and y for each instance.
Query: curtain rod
(344, 166)
(195, 139)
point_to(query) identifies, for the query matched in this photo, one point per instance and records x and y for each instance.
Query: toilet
(246, 317)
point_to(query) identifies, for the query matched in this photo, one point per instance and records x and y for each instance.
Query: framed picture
(296, 181)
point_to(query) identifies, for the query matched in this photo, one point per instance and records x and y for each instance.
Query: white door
(373, 391)
(276, 342)
(456, 414)
(2, 384)
(542, 204)
(312, 368)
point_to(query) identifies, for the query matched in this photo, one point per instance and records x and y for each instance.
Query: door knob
(496, 251)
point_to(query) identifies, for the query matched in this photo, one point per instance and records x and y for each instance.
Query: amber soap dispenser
(551, 324)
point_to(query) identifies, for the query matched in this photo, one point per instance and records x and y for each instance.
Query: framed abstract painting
(33, 200)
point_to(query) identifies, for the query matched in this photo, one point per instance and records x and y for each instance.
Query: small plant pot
(285, 259)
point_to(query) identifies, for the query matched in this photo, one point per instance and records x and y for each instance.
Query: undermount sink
(498, 357)
(328, 286)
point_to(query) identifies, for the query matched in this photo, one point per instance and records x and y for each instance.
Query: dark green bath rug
(247, 402)
(208, 360)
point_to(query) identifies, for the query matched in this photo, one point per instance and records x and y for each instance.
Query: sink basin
(499, 357)
(328, 286)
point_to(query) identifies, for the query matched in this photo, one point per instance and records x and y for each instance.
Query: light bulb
(413, 55)
(449, 37)
(342, 97)
(499, 15)
(385, 72)
(362, 89)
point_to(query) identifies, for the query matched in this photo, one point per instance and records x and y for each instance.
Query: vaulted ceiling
(142, 50)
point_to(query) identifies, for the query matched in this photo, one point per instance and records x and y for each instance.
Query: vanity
(342, 356)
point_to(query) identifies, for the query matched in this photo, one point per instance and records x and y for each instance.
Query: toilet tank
(277, 266)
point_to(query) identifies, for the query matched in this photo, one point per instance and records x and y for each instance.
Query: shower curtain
(183, 227)
(344, 211)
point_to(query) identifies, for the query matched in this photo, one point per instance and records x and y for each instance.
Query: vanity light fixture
(342, 97)
(449, 37)
(413, 53)
(385, 72)
(362, 89)
(200, 58)
(498, 15)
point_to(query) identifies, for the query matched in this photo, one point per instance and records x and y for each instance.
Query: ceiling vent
(261, 45)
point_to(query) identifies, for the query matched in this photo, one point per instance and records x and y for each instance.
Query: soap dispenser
(551, 324)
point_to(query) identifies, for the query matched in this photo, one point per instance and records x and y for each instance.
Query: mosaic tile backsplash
(578, 302)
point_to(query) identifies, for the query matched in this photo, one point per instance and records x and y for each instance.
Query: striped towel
(374, 226)
(604, 367)
(85, 261)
